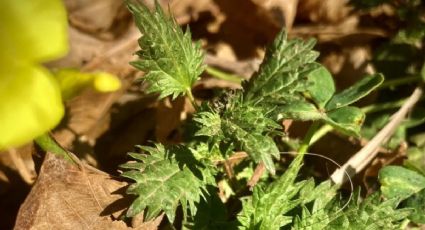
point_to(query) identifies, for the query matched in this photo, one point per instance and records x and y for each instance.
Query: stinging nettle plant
(289, 84)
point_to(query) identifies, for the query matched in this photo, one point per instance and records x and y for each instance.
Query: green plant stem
(387, 105)
(48, 144)
(192, 99)
(222, 75)
(400, 81)
(321, 133)
(308, 137)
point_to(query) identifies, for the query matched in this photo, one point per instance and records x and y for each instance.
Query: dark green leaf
(417, 202)
(284, 71)
(346, 119)
(355, 92)
(299, 110)
(165, 180)
(321, 87)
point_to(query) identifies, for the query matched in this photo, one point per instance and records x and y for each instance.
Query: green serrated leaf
(165, 180)
(267, 208)
(347, 119)
(260, 147)
(286, 63)
(209, 123)
(322, 86)
(171, 61)
(372, 213)
(244, 126)
(355, 92)
(399, 182)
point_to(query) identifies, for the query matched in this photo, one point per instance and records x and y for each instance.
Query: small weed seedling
(289, 84)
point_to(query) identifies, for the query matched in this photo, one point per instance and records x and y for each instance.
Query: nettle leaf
(246, 127)
(171, 61)
(397, 181)
(318, 216)
(214, 214)
(286, 63)
(209, 123)
(268, 206)
(355, 92)
(372, 213)
(165, 179)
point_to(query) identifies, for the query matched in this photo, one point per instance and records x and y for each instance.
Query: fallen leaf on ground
(71, 196)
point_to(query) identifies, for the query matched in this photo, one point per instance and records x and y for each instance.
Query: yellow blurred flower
(33, 32)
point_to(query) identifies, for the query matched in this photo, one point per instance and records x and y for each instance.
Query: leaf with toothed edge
(171, 61)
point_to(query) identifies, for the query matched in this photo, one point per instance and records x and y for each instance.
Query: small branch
(363, 157)
(20, 166)
(259, 170)
(387, 105)
(48, 144)
(308, 138)
(192, 99)
(229, 170)
(240, 68)
(128, 42)
(325, 129)
(222, 75)
(400, 81)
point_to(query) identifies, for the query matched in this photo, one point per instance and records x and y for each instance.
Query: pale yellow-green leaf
(30, 103)
(33, 30)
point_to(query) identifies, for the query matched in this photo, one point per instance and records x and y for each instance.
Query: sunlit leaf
(397, 181)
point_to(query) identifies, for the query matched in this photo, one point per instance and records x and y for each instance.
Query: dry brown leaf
(169, 116)
(88, 114)
(283, 11)
(70, 196)
(323, 11)
(100, 18)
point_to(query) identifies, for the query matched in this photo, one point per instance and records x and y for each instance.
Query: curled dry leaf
(71, 196)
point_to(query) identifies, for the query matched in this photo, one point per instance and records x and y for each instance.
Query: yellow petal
(105, 82)
(30, 103)
(33, 30)
(73, 81)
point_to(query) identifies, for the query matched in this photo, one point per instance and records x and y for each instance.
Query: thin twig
(229, 169)
(20, 166)
(363, 157)
(259, 170)
(125, 43)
